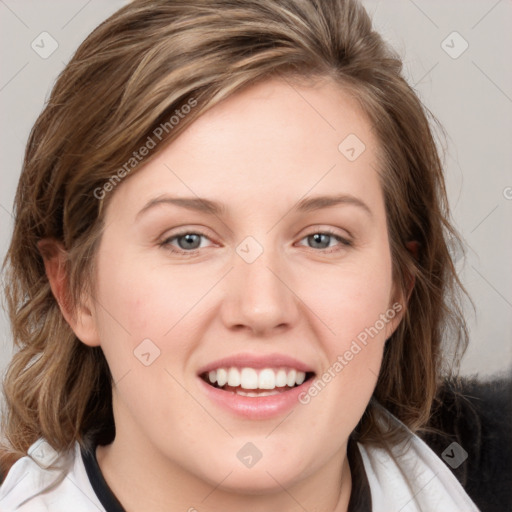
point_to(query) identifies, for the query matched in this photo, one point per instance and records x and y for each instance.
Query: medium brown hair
(128, 77)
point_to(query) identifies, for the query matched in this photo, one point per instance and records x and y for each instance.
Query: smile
(255, 388)
(256, 382)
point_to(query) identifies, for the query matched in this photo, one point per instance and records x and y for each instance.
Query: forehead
(276, 142)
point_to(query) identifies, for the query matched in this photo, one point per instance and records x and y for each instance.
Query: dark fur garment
(477, 415)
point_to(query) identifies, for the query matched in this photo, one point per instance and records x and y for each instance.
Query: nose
(259, 296)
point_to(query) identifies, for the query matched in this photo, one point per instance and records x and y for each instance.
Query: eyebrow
(198, 204)
(319, 202)
(203, 205)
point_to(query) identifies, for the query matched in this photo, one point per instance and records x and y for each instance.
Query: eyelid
(343, 234)
(185, 230)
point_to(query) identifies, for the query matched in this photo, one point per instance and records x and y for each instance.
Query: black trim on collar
(360, 495)
(105, 495)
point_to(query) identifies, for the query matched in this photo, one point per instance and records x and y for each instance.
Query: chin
(239, 474)
(258, 481)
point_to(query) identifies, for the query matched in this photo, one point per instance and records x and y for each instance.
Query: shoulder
(48, 480)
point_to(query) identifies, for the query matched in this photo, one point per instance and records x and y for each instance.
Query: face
(245, 332)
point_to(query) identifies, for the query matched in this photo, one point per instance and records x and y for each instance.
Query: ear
(414, 248)
(396, 310)
(81, 318)
(400, 298)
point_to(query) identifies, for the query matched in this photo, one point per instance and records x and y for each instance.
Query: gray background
(469, 91)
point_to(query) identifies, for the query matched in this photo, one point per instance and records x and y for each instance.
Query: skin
(174, 448)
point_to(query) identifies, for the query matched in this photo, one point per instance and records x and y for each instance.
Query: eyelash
(166, 242)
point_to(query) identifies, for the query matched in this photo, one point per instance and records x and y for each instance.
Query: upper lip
(256, 361)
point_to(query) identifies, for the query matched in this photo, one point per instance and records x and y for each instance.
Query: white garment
(412, 480)
(30, 487)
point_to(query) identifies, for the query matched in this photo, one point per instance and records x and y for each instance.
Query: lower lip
(257, 407)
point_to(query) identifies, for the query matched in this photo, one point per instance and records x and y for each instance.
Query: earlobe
(80, 317)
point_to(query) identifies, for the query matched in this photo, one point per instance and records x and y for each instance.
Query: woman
(229, 277)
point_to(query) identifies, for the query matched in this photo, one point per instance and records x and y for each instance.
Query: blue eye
(190, 241)
(187, 242)
(322, 240)
(319, 239)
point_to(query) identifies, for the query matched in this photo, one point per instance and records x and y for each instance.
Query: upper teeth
(250, 378)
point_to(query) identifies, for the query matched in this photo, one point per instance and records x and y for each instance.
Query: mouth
(256, 382)
(255, 386)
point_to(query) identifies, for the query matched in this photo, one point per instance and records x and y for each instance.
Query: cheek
(350, 298)
(139, 300)
(360, 320)
(134, 306)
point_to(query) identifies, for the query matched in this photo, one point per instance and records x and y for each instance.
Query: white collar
(410, 477)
